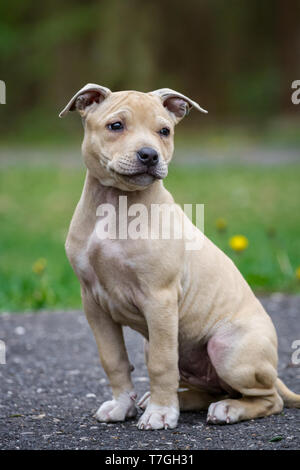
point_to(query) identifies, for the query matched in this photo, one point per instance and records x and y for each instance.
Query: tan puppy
(207, 332)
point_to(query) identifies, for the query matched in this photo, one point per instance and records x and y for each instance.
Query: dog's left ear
(82, 101)
(177, 104)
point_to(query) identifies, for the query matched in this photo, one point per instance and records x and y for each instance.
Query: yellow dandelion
(221, 224)
(238, 243)
(39, 266)
(298, 273)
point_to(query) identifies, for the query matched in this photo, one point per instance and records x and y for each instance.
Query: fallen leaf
(276, 438)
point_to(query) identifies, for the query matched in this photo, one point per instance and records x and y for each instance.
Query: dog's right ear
(85, 99)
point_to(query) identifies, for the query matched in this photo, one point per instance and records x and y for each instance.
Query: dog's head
(128, 138)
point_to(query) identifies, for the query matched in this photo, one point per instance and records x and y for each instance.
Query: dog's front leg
(162, 410)
(114, 359)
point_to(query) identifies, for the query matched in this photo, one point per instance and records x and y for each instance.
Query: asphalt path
(52, 383)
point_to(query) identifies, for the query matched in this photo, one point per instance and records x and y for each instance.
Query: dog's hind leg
(231, 410)
(249, 367)
(194, 400)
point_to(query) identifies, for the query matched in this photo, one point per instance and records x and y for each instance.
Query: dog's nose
(148, 156)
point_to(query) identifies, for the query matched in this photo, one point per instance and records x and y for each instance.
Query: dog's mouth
(142, 176)
(140, 179)
(134, 172)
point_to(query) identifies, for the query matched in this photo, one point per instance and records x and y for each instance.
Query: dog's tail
(290, 399)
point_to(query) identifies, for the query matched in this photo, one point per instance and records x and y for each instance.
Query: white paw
(223, 412)
(117, 409)
(158, 417)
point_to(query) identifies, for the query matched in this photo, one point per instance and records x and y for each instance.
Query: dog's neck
(94, 193)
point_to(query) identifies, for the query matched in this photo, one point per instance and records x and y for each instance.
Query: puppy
(210, 343)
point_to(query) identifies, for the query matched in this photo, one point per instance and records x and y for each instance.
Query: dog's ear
(86, 98)
(177, 104)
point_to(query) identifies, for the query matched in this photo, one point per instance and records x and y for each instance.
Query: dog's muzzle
(146, 162)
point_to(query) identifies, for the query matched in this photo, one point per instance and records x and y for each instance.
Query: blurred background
(237, 59)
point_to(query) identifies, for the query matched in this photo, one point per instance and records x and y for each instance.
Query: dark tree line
(237, 57)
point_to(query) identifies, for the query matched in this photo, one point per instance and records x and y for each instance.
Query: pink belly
(196, 369)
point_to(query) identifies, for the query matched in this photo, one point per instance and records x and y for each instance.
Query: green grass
(36, 205)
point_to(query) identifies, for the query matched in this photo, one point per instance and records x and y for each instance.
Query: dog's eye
(164, 131)
(115, 126)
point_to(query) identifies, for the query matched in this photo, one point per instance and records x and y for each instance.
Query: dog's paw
(117, 409)
(223, 412)
(158, 417)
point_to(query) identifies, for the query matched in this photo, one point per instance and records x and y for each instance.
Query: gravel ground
(52, 384)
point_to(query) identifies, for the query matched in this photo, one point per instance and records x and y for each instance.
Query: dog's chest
(105, 271)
